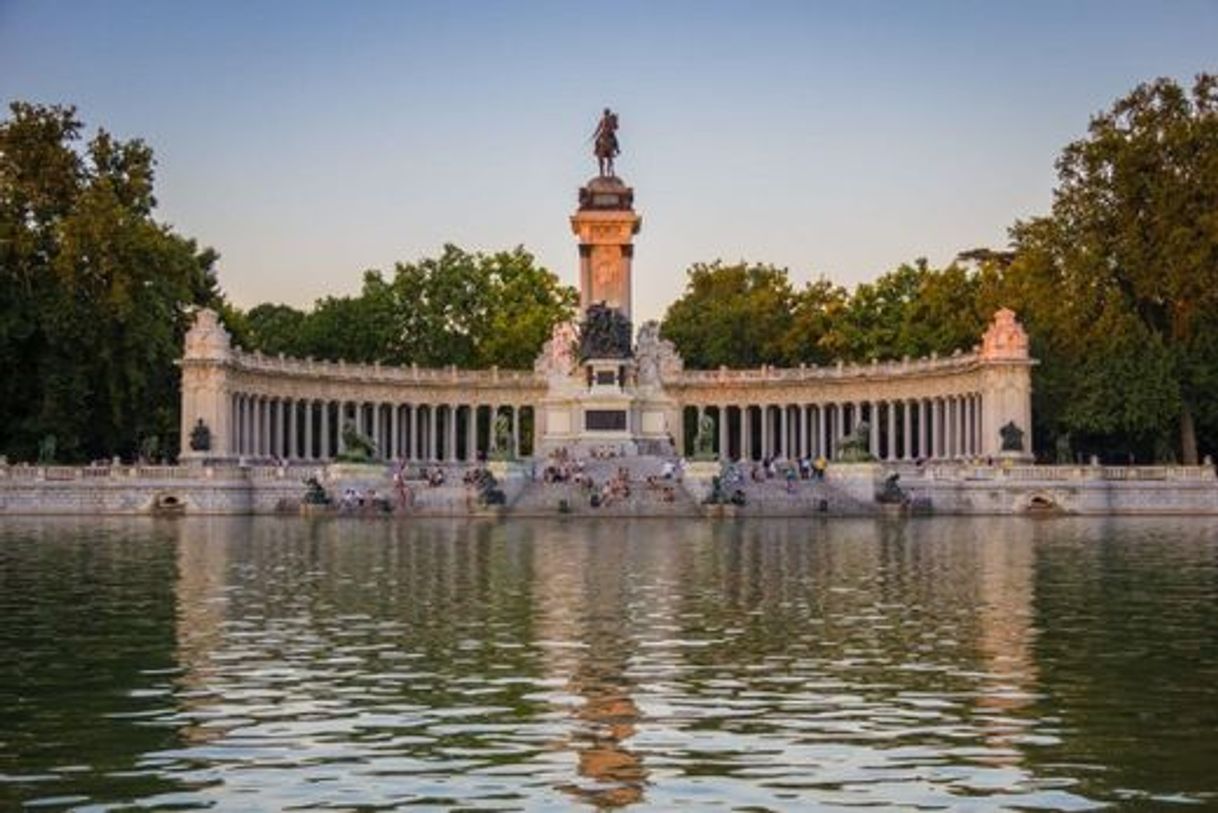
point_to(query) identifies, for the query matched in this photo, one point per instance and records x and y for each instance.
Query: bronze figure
(605, 143)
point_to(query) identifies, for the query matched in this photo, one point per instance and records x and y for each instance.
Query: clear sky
(309, 141)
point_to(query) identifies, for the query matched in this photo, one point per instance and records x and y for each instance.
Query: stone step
(541, 498)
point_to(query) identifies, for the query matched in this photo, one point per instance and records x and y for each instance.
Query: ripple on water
(946, 664)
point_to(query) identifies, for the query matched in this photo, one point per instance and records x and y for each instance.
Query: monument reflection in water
(267, 663)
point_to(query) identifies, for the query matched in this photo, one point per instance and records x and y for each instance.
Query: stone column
(340, 420)
(238, 426)
(890, 449)
(946, 427)
(953, 431)
(764, 431)
(959, 424)
(972, 424)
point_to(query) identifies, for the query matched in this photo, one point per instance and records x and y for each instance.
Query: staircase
(543, 499)
(806, 497)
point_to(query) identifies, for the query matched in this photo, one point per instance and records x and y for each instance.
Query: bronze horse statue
(605, 143)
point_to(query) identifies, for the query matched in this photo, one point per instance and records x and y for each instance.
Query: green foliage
(743, 316)
(1117, 287)
(1121, 278)
(734, 315)
(94, 293)
(471, 310)
(274, 329)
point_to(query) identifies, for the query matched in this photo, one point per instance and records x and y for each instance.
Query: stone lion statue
(358, 446)
(856, 447)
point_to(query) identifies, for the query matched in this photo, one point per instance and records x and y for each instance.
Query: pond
(266, 664)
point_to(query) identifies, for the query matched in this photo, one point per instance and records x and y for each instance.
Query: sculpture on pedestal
(200, 437)
(1012, 437)
(704, 441)
(856, 447)
(359, 447)
(605, 144)
(658, 358)
(502, 427)
(605, 334)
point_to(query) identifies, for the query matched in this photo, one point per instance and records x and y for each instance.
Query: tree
(275, 329)
(462, 308)
(815, 335)
(1131, 245)
(95, 295)
(734, 315)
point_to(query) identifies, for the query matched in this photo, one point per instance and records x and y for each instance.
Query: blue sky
(309, 141)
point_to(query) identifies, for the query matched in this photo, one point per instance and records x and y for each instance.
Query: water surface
(265, 664)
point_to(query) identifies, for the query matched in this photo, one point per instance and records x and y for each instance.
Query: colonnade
(311, 429)
(936, 428)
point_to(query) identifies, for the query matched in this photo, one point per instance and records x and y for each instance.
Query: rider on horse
(606, 147)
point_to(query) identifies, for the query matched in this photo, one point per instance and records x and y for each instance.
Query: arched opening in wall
(168, 505)
(1041, 503)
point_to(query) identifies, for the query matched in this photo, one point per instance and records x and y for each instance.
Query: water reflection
(264, 664)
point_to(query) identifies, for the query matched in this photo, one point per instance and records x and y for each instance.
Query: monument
(597, 399)
(597, 387)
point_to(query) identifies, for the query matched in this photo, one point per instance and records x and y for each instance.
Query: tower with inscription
(604, 391)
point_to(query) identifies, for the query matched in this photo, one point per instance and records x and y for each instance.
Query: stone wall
(849, 489)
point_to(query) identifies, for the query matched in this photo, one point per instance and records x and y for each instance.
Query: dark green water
(268, 664)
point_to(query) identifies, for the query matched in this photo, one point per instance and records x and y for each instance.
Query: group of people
(354, 500)
(614, 489)
(560, 468)
(802, 468)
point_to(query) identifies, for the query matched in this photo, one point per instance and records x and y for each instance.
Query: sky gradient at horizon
(309, 141)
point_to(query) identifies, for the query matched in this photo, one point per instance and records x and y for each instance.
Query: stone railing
(378, 373)
(959, 362)
(39, 473)
(1031, 473)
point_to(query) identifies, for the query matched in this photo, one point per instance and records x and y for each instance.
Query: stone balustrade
(961, 362)
(382, 374)
(1061, 473)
